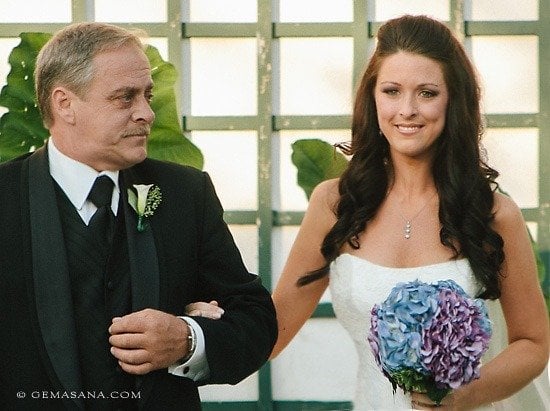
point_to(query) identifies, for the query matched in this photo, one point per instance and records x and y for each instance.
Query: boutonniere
(145, 202)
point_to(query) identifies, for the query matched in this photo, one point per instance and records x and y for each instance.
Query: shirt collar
(74, 178)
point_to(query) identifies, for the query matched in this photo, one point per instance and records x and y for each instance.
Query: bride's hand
(201, 309)
(423, 402)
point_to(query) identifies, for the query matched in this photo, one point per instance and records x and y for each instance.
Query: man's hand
(148, 340)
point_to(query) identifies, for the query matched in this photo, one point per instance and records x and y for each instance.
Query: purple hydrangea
(432, 333)
(455, 340)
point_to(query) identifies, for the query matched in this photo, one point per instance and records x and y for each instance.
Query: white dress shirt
(76, 180)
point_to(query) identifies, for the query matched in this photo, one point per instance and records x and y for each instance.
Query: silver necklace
(407, 228)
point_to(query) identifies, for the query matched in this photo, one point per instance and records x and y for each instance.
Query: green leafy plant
(317, 160)
(21, 128)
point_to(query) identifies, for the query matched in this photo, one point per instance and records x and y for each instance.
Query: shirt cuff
(196, 367)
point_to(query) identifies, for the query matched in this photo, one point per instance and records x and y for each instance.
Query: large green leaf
(167, 141)
(316, 161)
(21, 128)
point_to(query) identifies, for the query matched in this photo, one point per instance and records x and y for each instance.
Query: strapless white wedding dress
(357, 284)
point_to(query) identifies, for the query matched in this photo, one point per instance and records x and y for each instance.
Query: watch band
(191, 342)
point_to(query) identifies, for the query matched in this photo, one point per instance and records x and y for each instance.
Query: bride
(418, 202)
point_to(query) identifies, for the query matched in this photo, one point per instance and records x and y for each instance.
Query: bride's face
(411, 101)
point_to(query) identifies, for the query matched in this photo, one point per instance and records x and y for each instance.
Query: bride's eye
(428, 93)
(390, 91)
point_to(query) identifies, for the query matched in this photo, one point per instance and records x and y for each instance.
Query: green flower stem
(141, 224)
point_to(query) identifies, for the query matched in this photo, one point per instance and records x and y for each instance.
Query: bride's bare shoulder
(326, 192)
(323, 202)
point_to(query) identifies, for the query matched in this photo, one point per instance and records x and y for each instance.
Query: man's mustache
(137, 132)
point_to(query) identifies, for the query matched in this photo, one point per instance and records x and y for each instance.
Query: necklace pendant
(407, 230)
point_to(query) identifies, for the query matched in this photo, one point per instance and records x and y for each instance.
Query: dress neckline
(385, 267)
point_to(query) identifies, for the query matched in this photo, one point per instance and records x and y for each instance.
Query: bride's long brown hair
(464, 182)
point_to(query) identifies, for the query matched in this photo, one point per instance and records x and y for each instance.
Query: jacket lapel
(51, 275)
(144, 268)
(142, 252)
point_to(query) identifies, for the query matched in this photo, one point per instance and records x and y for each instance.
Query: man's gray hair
(67, 59)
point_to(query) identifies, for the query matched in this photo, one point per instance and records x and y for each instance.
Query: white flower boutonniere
(145, 202)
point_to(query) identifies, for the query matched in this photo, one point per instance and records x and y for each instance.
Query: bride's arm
(526, 318)
(295, 304)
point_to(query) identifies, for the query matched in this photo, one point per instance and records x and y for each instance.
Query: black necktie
(102, 222)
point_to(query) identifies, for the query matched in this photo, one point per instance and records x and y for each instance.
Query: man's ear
(63, 101)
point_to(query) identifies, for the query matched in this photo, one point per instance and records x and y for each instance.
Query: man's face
(114, 117)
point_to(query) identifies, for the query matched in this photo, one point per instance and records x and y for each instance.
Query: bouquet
(429, 338)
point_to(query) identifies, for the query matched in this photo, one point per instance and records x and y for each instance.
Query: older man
(91, 286)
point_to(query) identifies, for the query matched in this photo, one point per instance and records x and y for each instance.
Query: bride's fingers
(201, 309)
(423, 402)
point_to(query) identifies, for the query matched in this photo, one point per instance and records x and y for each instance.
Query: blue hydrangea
(399, 325)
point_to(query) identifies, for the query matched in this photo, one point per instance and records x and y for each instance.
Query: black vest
(100, 286)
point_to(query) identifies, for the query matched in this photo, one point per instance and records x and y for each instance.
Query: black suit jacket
(187, 254)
